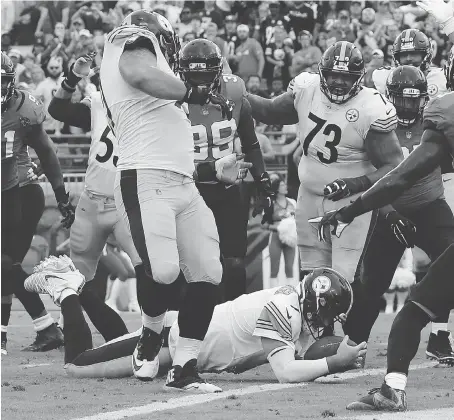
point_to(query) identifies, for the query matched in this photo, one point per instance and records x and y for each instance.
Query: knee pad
(165, 272)
(209, 272)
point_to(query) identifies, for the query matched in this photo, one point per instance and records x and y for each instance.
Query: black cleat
(48, 339)
(187, 378)
(4, 352)
(440, 348)
(381, 399)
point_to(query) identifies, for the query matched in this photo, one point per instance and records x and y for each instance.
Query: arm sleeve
(75, 114)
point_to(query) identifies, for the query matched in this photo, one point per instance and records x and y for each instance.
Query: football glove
(331, 218)
(264, 200)
(67, 210)
(404, 229)
(35, 171)
(442, 12)
(341, 188)
(232, 169)
(226, 104)
(198, 95)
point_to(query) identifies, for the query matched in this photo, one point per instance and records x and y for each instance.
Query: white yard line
(189, 400)
(439, 413)
(33, 365)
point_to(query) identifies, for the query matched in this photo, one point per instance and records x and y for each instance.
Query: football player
(348, 140)
(155, 191)
(270, 326)
(200, 65)
(434, 295)
(22, 117)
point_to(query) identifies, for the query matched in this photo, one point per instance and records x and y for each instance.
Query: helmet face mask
(411, 44)
(326, 298)
(200, 64)
(8, 80)
(449, 70)
(341, 71)
(407, 91)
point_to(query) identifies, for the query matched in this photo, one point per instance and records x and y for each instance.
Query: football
(324, 347)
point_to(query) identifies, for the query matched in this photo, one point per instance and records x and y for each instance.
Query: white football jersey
(102, 157)
(233, 341)
(152, 133)
(436, 81)
(332, 136)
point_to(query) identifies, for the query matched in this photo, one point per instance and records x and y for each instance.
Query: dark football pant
(428, 300)
(434, 233)
(228, 210)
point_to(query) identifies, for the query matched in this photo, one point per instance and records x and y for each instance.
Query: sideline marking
(437, 413)
(33, 365)
(194, 399)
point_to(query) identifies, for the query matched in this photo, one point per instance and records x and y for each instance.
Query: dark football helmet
(8, 79)
(449, 70)
(406, 88)
(200, 63)
(413, 40)
(161, 28)
(325, 297)
(346, 61)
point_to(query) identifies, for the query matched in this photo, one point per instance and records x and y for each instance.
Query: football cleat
(145, 360)
(187, 378)
(440, 348)
(48, 339)
(53, 275)
(381, 399)
(4, 352)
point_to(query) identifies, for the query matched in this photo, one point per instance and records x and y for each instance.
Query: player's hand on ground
(331, 219)
(347, 357)
(226, 104)
(341, 188)
(232, 169)
(264, 200)
(440, 10)
(82, 66)
(404, 230)
(35, 171)
(68, 211)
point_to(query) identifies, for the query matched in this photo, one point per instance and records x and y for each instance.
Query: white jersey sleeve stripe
(276, 350)
(283, 323)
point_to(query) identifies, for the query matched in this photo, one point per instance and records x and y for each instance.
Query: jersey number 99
(214, 142)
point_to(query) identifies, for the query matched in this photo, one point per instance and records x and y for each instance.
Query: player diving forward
(347, 132)
(22, 118)
(273, 325)
(426, 209)
(200, 64)
(434, 295)
(155, 193)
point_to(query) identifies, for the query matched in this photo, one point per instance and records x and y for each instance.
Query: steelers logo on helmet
(341, 70)
(449, 70)
(321, 284)
(352, 115)
(412, 47)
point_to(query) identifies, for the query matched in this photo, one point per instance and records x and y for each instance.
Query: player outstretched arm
(61, 108)
(422, 161)
(279, 110)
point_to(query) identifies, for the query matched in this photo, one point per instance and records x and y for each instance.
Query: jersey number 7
(330, 144)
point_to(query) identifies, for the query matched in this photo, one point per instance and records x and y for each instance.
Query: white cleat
(145, 360)
(53, 275)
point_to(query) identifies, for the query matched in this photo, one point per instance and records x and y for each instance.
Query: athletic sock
(187, 349)
(439, 326)
(6, 314)
(396, 380)
(404, 338)
(42, 322)
(115, 292)
(154, 323)
(76, 331)
(104, 318)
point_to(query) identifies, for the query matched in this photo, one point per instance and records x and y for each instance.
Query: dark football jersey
(213, 134)
(426, 189)
(24, 111)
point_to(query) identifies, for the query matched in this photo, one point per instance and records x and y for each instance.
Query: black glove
(264, 200)
(67, 210)
(341, 188)
(198, 95)
(404, 229)
(332, 219)
(226, 104)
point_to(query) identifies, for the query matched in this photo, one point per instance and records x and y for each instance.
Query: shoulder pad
(435, 113)
(31, 110)
(302, 81)
(234, 86)
(128, 35)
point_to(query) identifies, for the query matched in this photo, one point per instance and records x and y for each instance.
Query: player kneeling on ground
(274, 325)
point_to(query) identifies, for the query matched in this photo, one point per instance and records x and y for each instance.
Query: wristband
(65, 86)
(61, 195)
(365, 183)
(205, 172)
(72, 80)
